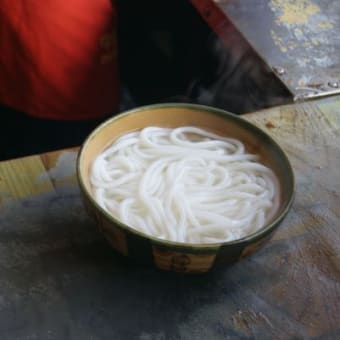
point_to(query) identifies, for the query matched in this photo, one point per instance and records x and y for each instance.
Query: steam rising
(240, 80)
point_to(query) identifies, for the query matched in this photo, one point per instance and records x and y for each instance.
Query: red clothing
(58, 59)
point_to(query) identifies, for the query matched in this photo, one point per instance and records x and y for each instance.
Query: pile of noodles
(184, 184)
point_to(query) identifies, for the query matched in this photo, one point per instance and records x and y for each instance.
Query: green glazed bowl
(174, 256)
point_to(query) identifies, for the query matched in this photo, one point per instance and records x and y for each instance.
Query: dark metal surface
(299, 39)
(170, 53)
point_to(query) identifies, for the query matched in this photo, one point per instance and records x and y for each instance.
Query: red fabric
(58, 58)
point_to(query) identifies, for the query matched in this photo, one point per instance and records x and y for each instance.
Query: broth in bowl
(185, 185)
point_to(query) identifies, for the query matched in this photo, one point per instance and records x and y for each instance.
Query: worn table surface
(59, 279)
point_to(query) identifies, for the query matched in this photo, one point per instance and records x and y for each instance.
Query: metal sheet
(240, 80)
(299, 39)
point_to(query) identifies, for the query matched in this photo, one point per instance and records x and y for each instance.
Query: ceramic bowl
(167, 255)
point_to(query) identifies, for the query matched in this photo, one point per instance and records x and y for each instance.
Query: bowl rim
(259, 234)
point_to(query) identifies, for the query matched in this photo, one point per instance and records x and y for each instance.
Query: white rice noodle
(185, 185)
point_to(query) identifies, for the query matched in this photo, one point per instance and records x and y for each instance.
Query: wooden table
(59, 279)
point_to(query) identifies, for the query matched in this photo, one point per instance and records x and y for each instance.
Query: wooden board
(32, 175)
(59, 279)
